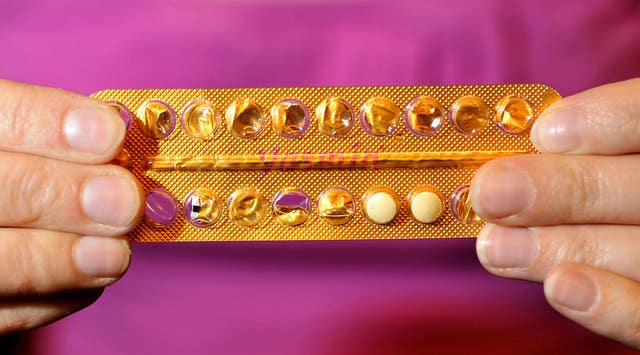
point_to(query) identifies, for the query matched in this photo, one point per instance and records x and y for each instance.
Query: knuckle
(22, 261)
(14, 128)
(26, 258)
(31, 190)
(624, 110)
(587, 186)
(576, 249)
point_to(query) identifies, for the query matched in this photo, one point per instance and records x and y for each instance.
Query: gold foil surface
(250, 156)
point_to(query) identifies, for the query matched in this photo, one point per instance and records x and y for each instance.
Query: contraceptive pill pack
(318, 163)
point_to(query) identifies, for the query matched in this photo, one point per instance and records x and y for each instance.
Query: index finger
(604, 120)
(57, 124)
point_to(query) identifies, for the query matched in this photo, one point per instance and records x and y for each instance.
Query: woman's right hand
(570, 217)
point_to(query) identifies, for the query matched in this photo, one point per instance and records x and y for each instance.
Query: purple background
(378, 297)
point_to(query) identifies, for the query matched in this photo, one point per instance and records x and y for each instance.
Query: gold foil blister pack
(318, 163)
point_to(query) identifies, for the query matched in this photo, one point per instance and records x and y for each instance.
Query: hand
(62, 209)
(571, 217)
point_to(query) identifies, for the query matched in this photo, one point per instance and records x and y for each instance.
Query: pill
(123, 111)
(200, 119)
(245, 119)
(469, 115)
(157, 119)
(379, 116)
(247, 207)
(290, 118)
(161, 208)
(424, 116)
(460, 205)
(425, 204)
(335, 117)
(336, 206)
(514, 114)
(202, 208)
(291, 206)
(380, 205)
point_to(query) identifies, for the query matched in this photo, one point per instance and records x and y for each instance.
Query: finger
(537, 190)
(603, 120)
(51, 194)
(41, 262)
(530, 253)
(57, 124)
(24, 315)
(599, 300)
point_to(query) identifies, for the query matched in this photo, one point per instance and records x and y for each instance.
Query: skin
(570, 217)
(63, 208)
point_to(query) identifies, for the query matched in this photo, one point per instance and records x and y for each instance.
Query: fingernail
(557, 131)
(571, 289)
(102, 256)
(93, 130)
(110, 200)
(504, 247)
(500, 192)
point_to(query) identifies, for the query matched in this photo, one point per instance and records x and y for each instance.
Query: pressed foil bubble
(335, 117)
(200, 119)
(247, 207)
(460, 205)
(379, 116)
(245, 119)
(514, 114)
(291, 207)
(469, 115)
(424, 116)
(290, 118)
(157, 119)
(336, 206)
(202, 208)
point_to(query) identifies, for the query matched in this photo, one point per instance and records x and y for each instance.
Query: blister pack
(318, 163)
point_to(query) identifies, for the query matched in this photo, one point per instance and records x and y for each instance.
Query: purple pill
(161, 208)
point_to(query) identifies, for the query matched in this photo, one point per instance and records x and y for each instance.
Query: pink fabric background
(378, 297)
